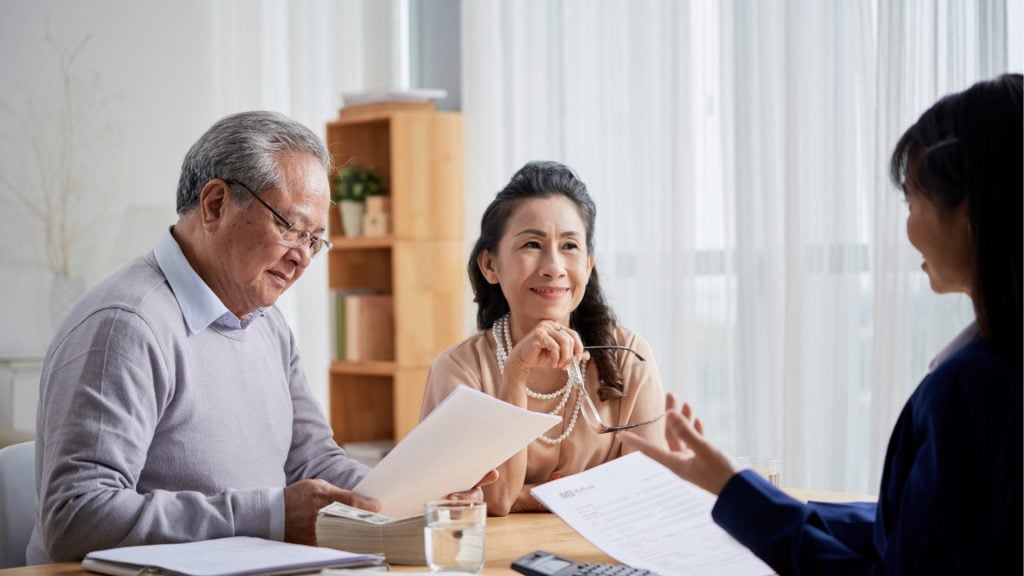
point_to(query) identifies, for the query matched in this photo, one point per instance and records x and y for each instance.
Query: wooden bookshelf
(417, 151)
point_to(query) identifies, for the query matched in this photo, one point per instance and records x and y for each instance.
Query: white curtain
(737, 154)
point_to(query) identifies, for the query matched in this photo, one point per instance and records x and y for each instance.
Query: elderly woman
(951, 495)
(548, 341)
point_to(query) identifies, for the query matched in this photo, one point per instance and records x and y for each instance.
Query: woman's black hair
(593, 319)
(968, 147)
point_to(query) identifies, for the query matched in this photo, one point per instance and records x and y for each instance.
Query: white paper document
(642, 514)
(467, 435)
(238, 556)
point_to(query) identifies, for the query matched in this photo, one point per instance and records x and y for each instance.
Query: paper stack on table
(400, 540)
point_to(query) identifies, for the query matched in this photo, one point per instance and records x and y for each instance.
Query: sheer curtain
(926, 49)
(737, 152)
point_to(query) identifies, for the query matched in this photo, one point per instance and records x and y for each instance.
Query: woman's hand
(476, 494)
(526, 501)
(548, 344)
(689, 455)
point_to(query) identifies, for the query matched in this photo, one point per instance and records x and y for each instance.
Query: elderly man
(173, 406)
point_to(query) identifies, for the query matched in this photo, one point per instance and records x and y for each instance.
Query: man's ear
(213, 199)
(485, 262)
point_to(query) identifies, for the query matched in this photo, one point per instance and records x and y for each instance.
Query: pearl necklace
(502, 347)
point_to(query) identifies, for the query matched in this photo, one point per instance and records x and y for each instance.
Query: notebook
(235, 556)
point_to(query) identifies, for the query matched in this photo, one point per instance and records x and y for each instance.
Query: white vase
(64, 292)
(352, 217)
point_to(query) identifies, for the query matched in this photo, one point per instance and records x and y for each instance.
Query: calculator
(541, 563)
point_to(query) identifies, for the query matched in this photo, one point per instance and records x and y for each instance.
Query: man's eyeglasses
(594, 418)
(290, 237)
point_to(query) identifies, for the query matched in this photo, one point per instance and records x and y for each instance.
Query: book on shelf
(399, 540)
(337, 315)
(234, 556)
(369, 322)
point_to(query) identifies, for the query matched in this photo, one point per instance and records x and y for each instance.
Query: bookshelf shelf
(417, 152)
(361, 242)
(363, 368)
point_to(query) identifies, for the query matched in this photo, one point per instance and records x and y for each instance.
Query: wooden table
(508, 538)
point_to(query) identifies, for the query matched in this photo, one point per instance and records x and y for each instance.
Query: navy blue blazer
(952, 492)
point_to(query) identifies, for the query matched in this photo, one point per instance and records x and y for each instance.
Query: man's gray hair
(244, 147)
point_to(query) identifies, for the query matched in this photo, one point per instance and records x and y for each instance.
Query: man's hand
(303, 499)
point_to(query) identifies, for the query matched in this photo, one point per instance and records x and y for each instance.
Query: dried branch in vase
(48, 192)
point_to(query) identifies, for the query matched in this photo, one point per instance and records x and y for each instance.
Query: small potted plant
(352, 185)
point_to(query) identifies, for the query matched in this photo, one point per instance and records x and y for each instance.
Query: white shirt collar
(958, 342)
(199, 304)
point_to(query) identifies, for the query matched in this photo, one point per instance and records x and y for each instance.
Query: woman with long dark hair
(545, 328)
(952, 491)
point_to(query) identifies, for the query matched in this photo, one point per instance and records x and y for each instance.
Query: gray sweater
(148, 434)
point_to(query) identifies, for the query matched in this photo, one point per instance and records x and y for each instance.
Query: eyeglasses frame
(315, 240)
(597, 424)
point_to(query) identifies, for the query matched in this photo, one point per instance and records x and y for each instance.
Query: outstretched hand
(689, 454)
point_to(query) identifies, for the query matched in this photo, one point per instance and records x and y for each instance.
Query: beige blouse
(473, 363)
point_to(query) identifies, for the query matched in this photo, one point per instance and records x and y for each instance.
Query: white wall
(19, 393)
(149, 79)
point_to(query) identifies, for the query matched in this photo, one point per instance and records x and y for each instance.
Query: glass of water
(454, 535)
(770, 468)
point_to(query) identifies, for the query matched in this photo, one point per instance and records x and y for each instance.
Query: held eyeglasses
(594, 418)
(290, 237)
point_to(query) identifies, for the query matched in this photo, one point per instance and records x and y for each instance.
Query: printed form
(642, 514)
